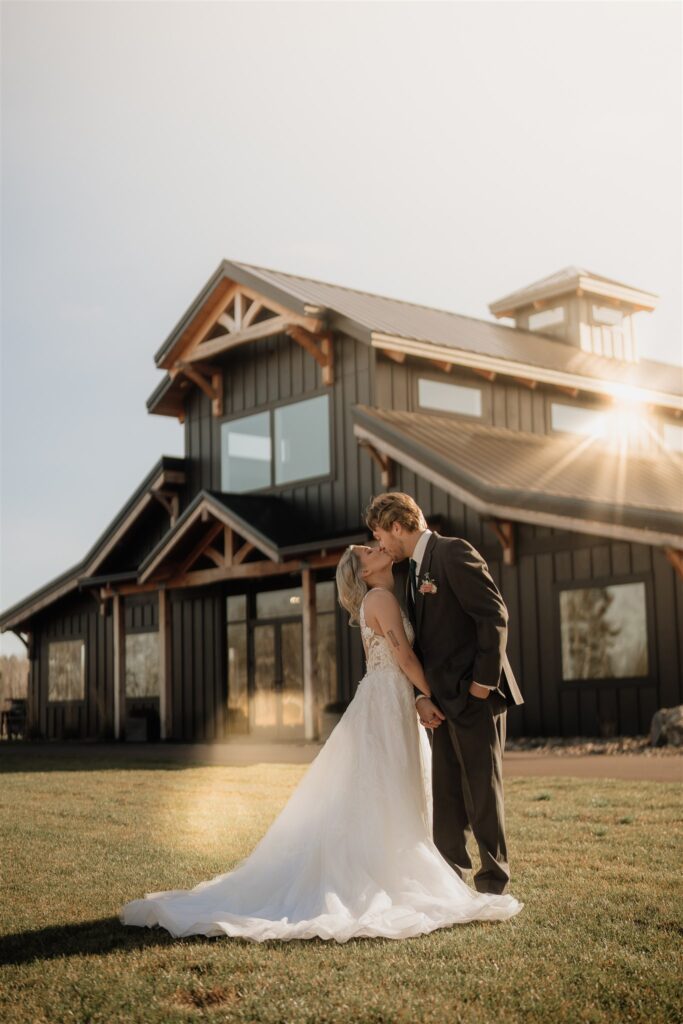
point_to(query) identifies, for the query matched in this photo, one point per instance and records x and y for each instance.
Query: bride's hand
(430, 715)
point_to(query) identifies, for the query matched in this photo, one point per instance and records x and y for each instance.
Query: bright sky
(443, 153)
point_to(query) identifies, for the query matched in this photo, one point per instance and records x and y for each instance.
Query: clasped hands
(431, 717)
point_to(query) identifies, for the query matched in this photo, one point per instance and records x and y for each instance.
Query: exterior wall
(75, 617)
(198, 670)
(504, 403)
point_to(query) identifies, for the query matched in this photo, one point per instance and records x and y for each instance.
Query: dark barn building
(207, 608)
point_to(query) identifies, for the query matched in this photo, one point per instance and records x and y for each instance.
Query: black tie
(413, 581)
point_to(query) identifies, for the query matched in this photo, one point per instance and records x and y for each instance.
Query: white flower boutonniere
(427, 584)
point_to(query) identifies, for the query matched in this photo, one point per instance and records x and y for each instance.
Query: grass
(596, 863)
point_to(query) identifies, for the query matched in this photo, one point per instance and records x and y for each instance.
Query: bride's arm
(383, 615)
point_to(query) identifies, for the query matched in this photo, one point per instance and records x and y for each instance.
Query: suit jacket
(461, 630)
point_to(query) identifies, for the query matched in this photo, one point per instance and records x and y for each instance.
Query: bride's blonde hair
(351, 588)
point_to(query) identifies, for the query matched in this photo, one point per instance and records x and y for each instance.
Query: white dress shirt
(417, 556)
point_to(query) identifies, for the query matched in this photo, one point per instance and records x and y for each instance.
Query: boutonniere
(428, 584)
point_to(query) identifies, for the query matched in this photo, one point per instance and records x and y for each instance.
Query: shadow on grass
(108, 935)
(79, 756)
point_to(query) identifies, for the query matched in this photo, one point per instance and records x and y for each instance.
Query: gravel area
(581, 745)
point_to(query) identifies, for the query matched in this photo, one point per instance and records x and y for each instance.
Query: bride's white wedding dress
(351, 853)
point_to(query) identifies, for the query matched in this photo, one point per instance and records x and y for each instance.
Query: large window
(66, 670)
(278, 446)
(446, 397)
(302, 440)
(604, 632)
(142, 664)
(246, 453)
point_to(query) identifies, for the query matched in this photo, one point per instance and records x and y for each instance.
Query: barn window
(446, 397)
(673, 437)
(142, 664)
(577, 419)
(246, 453)
(66, 670)
(302, 439)
(280, 445)
(546, 318)
(604, 632)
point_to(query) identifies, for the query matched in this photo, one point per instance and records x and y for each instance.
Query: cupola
(581, 308)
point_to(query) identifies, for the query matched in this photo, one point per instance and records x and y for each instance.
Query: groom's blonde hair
(394, 507)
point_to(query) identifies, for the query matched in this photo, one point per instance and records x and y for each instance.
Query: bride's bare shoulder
(380, 602)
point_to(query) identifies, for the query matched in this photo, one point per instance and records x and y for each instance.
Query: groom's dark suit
(460, 636)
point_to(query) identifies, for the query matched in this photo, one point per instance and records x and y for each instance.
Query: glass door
(277, 704)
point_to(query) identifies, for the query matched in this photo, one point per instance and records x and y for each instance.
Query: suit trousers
(467, 787)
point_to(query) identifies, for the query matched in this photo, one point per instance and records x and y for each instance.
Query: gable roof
(570, 279)
(111, 546)
(563, 482)
(271, 523)
(429, 333)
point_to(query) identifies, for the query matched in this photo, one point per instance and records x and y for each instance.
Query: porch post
(164, 663)
(119, 663)
(310, 637)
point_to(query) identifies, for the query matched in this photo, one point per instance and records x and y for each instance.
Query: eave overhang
(397, 437)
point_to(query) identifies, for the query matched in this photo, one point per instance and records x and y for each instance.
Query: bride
(351, 854)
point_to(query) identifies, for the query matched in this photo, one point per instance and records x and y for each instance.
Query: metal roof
(531, 475)
(368, 315)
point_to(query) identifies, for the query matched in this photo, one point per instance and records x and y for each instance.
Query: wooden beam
(526, 382)
(385, 463)
(203, 322)
(211, 386)
(170, 501)
(486, 374)
(165, 663)
(505, 531)
(119, 664)
(228, 545)
(327, 349)
(242, 553)
(573, 392)
(217, 385)
(232, 339)
(199, 548)
(310, 644)
(397, 357)
(254, 309)
(444, 367)
(675, 556)
(319, 347)
(252, 570)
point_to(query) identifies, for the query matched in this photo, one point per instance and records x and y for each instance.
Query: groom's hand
(477, 690)
(430, 715)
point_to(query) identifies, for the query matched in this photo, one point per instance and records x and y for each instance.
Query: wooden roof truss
(240, 317)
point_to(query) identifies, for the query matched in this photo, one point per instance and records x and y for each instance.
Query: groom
(460, 622)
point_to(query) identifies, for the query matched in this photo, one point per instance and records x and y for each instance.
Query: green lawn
(596, 863)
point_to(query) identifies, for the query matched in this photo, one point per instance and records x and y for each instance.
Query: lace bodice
(377, 650)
